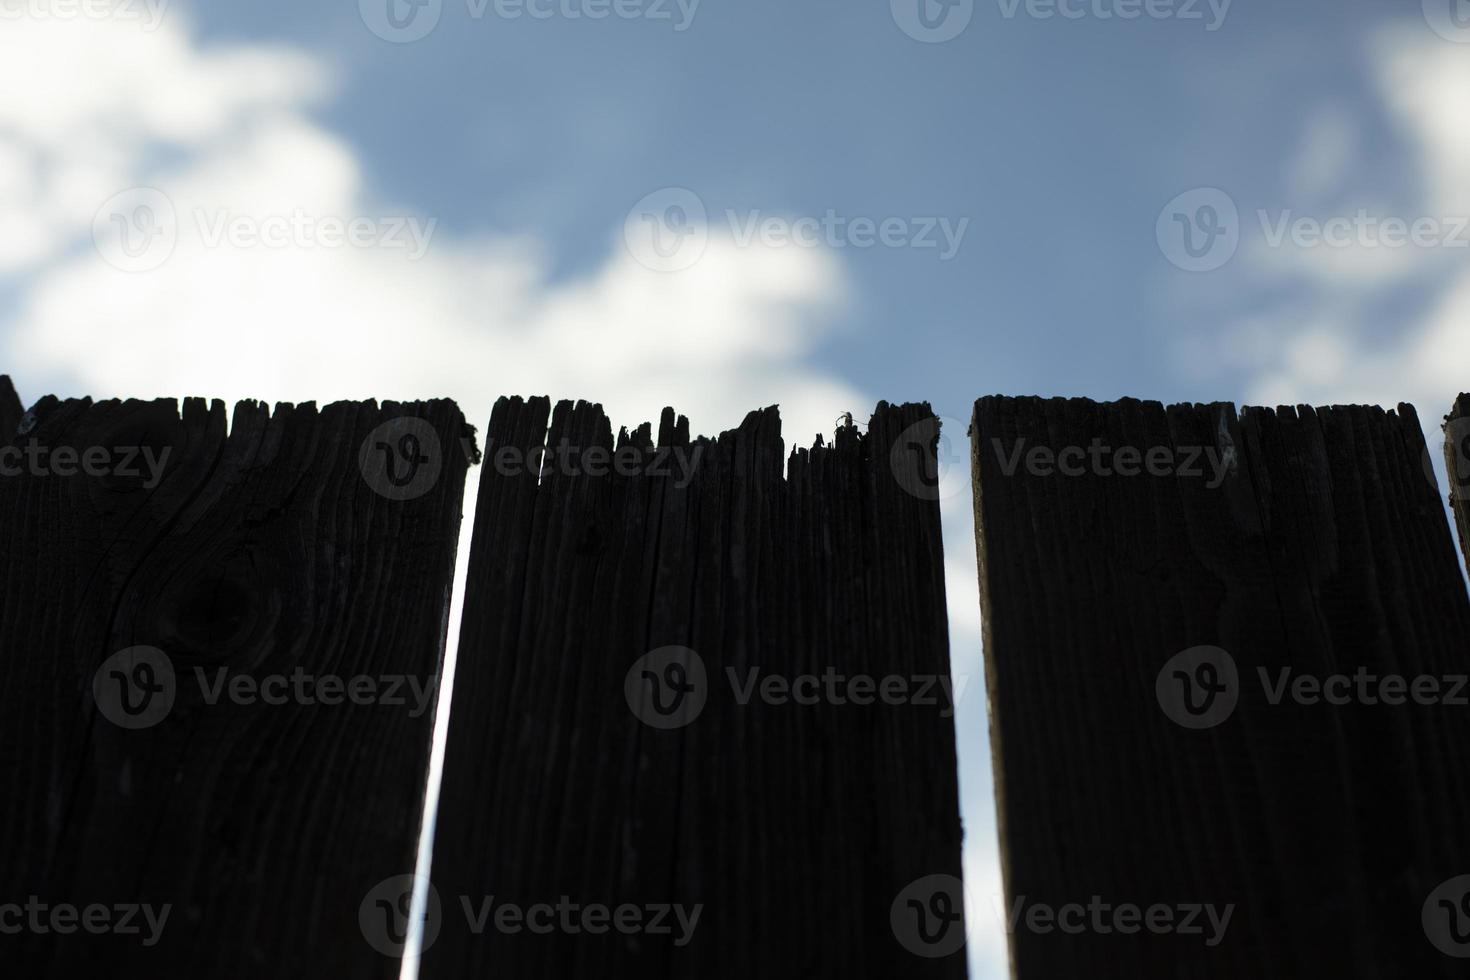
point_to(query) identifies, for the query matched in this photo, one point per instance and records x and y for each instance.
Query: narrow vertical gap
(424, 862)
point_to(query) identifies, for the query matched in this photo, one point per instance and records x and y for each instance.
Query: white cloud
(92, 100)
(1328, 339)
(225, 133)
(1423, 81)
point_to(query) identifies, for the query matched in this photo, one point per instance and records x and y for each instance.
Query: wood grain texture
(261, 553)
(795, 827)
(1323, 549)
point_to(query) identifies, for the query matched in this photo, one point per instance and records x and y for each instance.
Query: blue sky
(1062, 152)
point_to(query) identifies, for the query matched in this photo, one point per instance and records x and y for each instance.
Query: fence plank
(1457, 467)
(10, 409)
(1320, 547)
(794, 827)
(131, 776)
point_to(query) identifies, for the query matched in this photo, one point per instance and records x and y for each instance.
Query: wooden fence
(702, 719)
(633, 757)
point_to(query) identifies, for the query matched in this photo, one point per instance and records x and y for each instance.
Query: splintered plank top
(599, 748)
(198, 639)
(1457, 466)
(1142, 613)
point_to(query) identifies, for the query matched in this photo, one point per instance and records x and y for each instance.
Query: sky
(718, 206)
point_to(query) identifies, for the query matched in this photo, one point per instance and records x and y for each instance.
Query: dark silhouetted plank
(1457, 466)
(10, 409)
(261, 552)
(1324, 549)
(795, 827)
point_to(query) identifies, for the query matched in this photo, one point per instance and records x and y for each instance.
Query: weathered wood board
(1172, 651)
(600, 755)
(198, 634)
